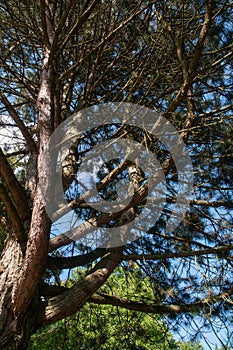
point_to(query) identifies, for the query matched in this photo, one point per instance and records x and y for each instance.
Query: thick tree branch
(13, 215)
(202, 37)
(18, 193)
(43, 15)
(90, 225)
(184, 254)
(205, 304)
(58, 263)
(72, 300)
(14, 115)
(66, 238)
(190, 102)
(88, 9)
(59, 241)
(104, 299)
(213, 204)
(161, 309)
(204, 203)
(81, 200)
(62, 23)
(194, 62)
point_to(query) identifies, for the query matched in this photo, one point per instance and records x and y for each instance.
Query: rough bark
(11, 332)
(22, 270)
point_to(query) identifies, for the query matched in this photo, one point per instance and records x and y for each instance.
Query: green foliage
(189, 346)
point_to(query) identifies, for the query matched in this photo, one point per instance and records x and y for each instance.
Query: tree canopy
(59, 58)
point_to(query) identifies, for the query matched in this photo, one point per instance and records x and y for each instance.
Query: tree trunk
(23, 263)
(14, 331)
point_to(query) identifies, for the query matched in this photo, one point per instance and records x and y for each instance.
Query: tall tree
(59, 57)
